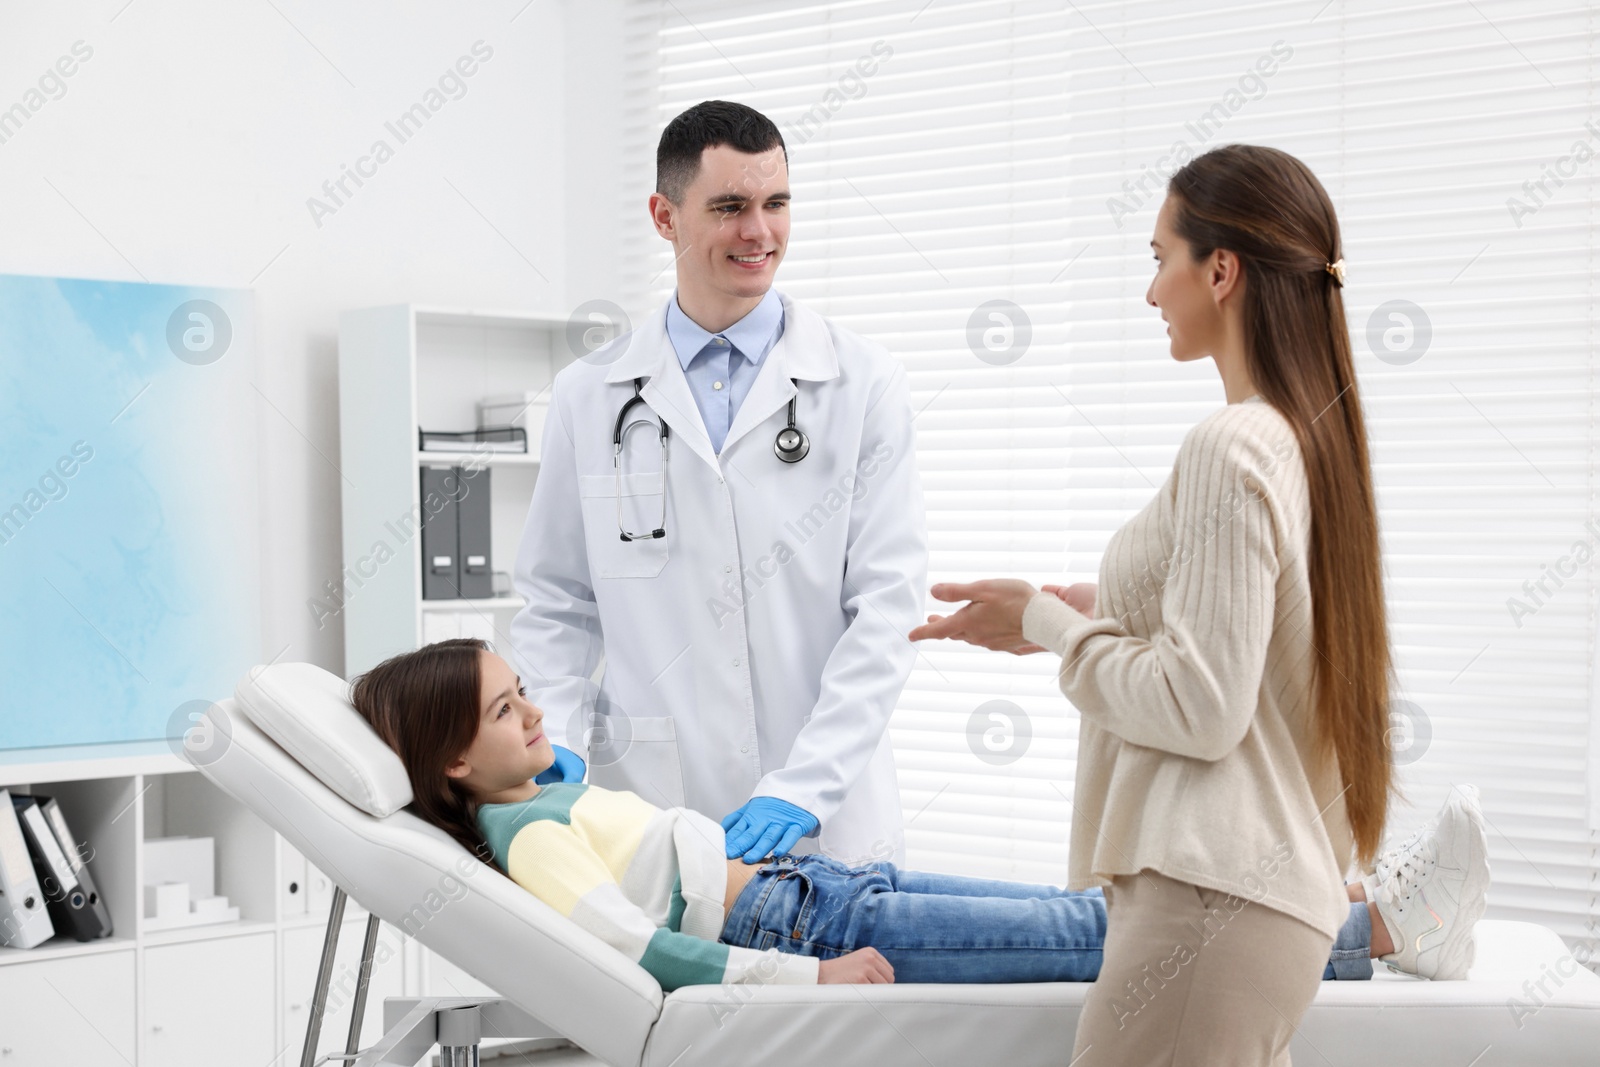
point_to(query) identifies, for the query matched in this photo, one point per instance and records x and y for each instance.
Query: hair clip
(1336, 268)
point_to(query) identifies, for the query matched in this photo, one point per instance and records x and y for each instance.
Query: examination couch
(289, 746)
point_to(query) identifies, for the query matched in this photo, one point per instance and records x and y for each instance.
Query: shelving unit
(233, 992)
(408, 366)
(142, 996)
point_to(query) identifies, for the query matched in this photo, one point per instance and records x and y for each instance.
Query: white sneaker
(1432, 889)
(1384, 866)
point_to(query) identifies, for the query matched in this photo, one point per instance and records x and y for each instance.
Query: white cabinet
(74, 1011)
(218, 994)
(302, 953)
(209, 1002)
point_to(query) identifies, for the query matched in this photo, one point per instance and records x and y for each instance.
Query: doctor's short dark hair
(706, 125)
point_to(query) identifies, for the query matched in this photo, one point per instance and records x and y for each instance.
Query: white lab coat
(760, 646)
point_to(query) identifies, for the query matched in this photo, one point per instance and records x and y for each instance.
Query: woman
(1232, 669)
(655, 883)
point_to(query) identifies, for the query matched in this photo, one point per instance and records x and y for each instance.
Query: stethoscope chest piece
(792, 443)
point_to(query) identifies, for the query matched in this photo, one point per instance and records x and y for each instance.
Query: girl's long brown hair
(424, 704)
(1266, 207)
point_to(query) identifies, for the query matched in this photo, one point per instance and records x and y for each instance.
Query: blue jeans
(946, 928)
(1351, 960)
(930, 927)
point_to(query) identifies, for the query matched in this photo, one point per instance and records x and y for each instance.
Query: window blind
(975, 186)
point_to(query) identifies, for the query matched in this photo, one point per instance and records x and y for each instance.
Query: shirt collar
(752, 336)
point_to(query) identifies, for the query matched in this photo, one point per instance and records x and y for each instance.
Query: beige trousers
(1193, 976)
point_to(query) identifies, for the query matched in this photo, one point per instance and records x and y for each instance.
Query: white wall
(186, 147)
(601, 200)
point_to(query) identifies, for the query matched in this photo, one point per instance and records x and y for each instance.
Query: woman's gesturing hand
(864, 966)
(991, 619)
(1080, 596)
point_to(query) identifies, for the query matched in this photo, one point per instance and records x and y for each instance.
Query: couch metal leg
(352, 1042)
(454, 1024)
(460, 1030)
(319, 1002)
(409, 1038)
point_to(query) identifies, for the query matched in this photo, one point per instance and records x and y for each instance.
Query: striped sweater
(647, 881)
(1196, 682)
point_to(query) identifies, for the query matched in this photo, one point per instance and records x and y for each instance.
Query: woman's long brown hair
(424, 704)
(1267, 208)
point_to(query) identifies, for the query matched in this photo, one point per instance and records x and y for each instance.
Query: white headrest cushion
(307, 711)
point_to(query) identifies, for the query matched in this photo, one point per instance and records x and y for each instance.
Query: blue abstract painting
(129, 552)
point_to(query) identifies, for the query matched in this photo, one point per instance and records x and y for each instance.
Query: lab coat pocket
(647, 761)
(638, 508)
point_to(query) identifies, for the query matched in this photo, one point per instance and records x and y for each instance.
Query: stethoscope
(790, 446)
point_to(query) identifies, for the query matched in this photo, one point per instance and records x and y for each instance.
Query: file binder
(80, 867)
(70, 893)
(441, 569)
(24, 920)
(472, 533)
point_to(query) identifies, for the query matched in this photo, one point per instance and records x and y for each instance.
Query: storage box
(181, 859)
(526, 409)
(167, 901)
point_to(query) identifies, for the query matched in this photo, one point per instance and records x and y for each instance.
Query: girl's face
(1187, 293)
(510, 747)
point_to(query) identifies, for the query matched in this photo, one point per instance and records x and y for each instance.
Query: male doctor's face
(731, 230)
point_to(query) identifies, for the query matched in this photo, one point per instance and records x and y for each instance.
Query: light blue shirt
(721, 367)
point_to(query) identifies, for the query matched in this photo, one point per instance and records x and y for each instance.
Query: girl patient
(654, 882)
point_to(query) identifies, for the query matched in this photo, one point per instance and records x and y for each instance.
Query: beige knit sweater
(1195, 684)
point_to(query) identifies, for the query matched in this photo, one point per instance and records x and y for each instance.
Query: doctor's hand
(766, 826)
(991, 619)
(568, 767)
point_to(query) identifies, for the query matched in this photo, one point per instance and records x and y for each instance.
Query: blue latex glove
(568, 767)
(766, 826)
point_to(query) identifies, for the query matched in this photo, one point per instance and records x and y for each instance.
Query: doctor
(728, 511)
